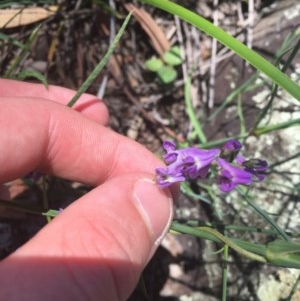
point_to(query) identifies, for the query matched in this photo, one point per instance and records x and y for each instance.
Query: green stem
(191, 112)
(293, 290)
(266, 217)
(101, 64)
(241, 116)
(229, 41)
(291, 57)
(225, 273)
(223, 227)
(211, 234)
(21, 207)
(275, 127)
(235, 93)
(232, 245)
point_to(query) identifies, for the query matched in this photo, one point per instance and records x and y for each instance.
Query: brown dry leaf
(22, 16)
(157, 36)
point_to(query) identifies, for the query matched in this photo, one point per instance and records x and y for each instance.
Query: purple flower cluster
(226, 164)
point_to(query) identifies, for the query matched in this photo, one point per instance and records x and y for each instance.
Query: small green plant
(165, 67)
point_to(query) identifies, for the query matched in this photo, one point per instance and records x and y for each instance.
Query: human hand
(97, 248)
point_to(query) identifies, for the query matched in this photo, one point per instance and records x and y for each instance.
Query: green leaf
(167, 74)
(32, 73)
(154, 64)
(284, 253)
(173, 57)
(11, 40)
(51, 213)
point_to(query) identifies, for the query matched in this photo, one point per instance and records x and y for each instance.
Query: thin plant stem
(241, 116)
(101, 64)
(293, 290)
(275, 127)
(21, 207)
(112, 33)
(225, 273)
(244, 87)
(280, 162)
(232, 245)
(291, 57)
(239, 228)
(191, 112)
(211, 234)
(28, 208)
(278, 252)
(265, 216)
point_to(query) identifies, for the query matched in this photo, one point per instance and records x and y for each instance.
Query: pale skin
(97, 248)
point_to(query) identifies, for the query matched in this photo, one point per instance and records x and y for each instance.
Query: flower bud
(230, 150)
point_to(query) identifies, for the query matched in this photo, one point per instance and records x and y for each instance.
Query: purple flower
(232, 145)
(230, 150)
(196, 162)
(171, 153)
(167, 176)
(240, 159)
(231, 168)
(169, 146)
(230, 176)
(183, 164)
(256, 167)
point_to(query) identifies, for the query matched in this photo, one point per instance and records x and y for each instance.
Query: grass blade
(24, 51)
(101, 64)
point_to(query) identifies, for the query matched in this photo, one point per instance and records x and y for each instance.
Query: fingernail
(155, 206)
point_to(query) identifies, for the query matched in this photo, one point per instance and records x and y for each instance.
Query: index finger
(88, 104)
(42, 135)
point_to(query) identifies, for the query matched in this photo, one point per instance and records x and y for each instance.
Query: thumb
(94, 250)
